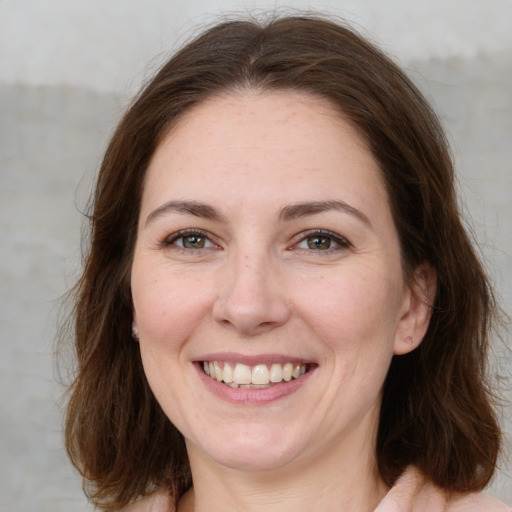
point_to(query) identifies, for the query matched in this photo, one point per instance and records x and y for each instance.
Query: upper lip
(252, 360)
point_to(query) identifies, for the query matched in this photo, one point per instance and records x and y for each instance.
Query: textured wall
(66, 69)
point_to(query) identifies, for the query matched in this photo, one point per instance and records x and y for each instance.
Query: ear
(417, 309)
(135, 330)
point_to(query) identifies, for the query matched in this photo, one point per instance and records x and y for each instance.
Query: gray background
(67, 70)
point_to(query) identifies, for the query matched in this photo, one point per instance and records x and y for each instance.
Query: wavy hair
(436, 411)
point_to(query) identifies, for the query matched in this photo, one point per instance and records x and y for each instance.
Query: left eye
(190, 240)
(320, 241)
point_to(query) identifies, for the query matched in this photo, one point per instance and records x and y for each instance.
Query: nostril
(249, 300)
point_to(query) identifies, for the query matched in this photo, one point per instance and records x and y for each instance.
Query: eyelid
(339, 240)
(170, 240)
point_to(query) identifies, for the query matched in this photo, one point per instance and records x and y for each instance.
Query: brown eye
(322, 241)
(319, 242)
(193, 242)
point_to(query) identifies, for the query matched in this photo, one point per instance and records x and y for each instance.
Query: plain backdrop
(67, 70)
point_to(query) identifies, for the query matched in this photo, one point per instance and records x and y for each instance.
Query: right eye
(322, 241)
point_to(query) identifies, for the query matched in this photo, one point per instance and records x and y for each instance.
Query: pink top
(411, 493)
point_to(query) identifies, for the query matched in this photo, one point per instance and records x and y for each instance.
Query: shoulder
(158, 502)
(414, 493)
(478, 502)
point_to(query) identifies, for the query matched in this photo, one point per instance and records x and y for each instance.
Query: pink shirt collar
(413, 493)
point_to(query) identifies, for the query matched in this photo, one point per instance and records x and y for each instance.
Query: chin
(249, 449)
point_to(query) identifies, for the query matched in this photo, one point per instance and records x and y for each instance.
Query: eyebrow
(291, 212)
(297, 210)
(195, 208)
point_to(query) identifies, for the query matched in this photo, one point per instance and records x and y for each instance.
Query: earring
(409, 339)
(135, 332)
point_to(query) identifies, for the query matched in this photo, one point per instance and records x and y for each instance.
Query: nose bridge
(250, 298)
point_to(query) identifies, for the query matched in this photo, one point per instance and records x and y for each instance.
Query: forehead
(278, 142)
(240, 114)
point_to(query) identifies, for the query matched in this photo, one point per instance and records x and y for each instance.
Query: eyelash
(339, 241)
(187, 233)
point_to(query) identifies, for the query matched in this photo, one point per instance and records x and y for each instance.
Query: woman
(280, 307)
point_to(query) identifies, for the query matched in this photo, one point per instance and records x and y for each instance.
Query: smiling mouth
(260, 376)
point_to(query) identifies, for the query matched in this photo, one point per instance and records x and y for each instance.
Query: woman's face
(267, 253)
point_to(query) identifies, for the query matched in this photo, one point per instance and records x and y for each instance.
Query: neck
(343, 479)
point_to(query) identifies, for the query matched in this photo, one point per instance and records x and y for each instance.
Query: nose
(250, 296)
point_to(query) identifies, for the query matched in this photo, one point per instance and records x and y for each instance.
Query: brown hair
(436, 411)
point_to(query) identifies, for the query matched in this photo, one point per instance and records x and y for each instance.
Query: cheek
(353, 307)
(169, 306)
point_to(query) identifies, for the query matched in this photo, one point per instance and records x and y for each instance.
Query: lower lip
(253, 396)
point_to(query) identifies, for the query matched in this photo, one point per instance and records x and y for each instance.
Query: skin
(263, 281)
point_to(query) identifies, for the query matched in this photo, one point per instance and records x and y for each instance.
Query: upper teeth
(260, 375)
